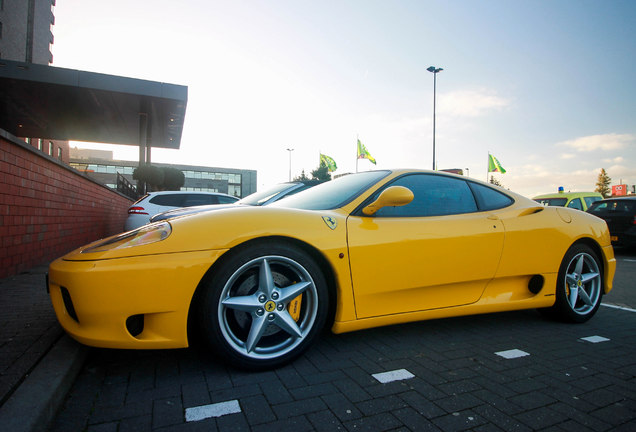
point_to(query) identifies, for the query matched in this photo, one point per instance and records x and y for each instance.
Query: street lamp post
(434, 71)
(290, 150)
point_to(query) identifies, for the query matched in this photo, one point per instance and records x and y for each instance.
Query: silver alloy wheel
(253, 312)
(582, 283)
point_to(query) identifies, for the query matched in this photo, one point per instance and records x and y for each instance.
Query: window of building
(50, 148)
(59, 153)
(234, 190)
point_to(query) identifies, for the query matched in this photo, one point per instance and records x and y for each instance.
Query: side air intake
(536, 284)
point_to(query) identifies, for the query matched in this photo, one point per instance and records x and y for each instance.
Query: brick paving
(28, 329)
(459, 383)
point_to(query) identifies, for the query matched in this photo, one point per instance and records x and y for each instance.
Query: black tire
(244, 310)
(579, 285)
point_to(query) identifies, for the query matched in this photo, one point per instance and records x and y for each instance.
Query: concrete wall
(48, 209)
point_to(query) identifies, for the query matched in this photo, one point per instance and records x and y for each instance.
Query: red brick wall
(48, 209)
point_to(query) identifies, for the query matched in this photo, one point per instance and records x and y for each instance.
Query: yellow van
(576, 200)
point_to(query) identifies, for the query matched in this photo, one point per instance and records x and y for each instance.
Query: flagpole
(487, 166)
(357, 139)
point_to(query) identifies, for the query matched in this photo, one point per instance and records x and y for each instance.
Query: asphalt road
(513, 371)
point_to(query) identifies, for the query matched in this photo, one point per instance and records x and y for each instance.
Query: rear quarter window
(488, 198)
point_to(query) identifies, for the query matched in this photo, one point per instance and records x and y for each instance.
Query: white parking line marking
(618, 307)
(396, 375)
(512, 354)
(595, 339)
(214, 410)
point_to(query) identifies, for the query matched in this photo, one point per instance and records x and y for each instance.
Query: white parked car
(260, 198)
(144, 208)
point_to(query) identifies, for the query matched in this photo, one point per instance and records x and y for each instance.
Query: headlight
(141, 236)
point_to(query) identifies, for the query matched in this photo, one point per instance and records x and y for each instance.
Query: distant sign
(619, 190)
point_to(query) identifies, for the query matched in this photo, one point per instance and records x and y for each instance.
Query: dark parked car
(264, 197)
(620, 215)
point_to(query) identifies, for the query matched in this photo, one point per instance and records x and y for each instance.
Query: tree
(173, 179)
(301, 177)
(164, 178)
(147, 175)
(321, 173)
(494, 181)
(603, 184)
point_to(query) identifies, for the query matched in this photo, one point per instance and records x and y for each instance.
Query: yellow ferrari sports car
(368, 249)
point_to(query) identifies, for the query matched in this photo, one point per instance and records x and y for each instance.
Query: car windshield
(552, 202)
(333, 194)
(259, 198)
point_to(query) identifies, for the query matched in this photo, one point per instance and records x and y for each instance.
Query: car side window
(226, 200)
(576, 204)
(599, 208)
(488, 198)
(199, 199)
(434, 195)
(172, 200)
(591, 200)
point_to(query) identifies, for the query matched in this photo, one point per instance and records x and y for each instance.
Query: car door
(438, 251)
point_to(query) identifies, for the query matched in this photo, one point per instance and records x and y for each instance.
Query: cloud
(568, 156)
(610, 141)
(616, 160)
(470, 103)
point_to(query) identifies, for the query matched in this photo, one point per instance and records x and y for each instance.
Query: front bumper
(137, 302)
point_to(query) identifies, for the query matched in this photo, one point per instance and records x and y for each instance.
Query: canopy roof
(39, 101)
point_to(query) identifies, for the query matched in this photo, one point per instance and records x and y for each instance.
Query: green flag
(329, 162)
(494, 165)
(363, 153)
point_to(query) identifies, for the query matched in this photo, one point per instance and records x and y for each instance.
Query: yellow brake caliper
(294, 307)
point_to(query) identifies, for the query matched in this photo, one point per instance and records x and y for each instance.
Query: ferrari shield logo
(331, 222)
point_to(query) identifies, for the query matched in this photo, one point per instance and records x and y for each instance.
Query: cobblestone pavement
(28, 329)
(560, 382)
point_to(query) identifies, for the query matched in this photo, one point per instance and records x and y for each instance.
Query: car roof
(189, 192)
(568, 195)
(619, 198)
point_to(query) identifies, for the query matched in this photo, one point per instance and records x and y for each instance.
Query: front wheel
(264, 306)
(579, 285)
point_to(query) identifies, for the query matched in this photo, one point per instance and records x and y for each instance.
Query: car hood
(184, 211)
(221, 230)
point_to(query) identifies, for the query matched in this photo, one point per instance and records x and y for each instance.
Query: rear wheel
(579, 285)
(264, 306)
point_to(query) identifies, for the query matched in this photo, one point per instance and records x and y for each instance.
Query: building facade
(100, 166)
(25, 30)
(26, 36)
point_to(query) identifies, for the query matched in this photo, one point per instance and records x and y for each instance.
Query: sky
(546, 86)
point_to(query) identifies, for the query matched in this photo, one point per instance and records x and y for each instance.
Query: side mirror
(390, 197)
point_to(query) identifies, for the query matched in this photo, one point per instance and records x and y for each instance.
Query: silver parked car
(152, 203)
(264, 197)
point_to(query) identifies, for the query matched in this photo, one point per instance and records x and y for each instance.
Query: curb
(35, 403)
